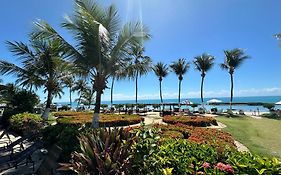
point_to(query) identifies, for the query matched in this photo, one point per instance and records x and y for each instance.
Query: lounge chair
(18, 158)
(3, 140)
(10, 147)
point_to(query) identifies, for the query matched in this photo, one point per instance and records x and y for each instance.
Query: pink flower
(220, 166)
(191, 165)
(206, 165)
(228, 168)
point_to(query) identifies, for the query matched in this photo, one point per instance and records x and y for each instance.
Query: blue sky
(181, 28)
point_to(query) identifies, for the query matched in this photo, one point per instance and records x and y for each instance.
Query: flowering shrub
(196, 121)
(105, 119)
(215, 137)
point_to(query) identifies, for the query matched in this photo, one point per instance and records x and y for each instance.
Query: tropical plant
(101, 42)
(87, 96)
(203, 64)
(180, 67)
(79, 86)
(44, 60)
(138, 66)
(104, 152)
(69, 82)
(233, 60)
(161, 70)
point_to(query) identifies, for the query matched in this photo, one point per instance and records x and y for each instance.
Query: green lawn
(261, 136)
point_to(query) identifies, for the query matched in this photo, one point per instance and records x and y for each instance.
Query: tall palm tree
(87, 96)
(44, 60)
(138, 66)
(180, 67)
(118, 73)
(69, 82)
(79, 86)
(161, 70)
(100, 42)
(203, 64)
(233, 60)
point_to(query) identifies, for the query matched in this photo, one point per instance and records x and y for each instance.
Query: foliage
(65, 136)
(105, 119)
(104, 105)
(25, 123)
(272, 115)
(191, 120)
(103, 152)
(156, 106)
(269, 106)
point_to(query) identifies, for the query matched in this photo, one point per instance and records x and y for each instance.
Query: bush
(65, 136)
(269, 106)
(104, 152)
(105, 119)
(150, 156)
(192, 121)
(26, 123)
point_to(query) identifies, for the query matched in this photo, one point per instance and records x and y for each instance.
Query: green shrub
(26, 123)
(269, 106)
(65, 136)
(197, 121)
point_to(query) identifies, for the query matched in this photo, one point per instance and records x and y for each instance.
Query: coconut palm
(233, 60)
(203, 64)
(180, 67)
(161, 70)
(87, 96)
(44, 60)
(138, 66)
(79, 86)
(69, 83)
(100, 42)
(117, 73)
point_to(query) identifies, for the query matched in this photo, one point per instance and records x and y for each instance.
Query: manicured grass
(261, 136)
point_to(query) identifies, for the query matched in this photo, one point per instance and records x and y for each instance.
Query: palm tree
(180, 67)
(203, 64)
(161, 70)
(87, 96)
(79, 86)
(100, 42)
(117, 73)
(233, 60)
(138, 66)
(44, 60)
(69, 82)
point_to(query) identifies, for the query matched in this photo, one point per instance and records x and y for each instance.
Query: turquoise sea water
(262, 99)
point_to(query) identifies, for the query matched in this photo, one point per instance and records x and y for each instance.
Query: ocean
(262, 99)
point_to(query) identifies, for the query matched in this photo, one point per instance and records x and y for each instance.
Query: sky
(179, 29)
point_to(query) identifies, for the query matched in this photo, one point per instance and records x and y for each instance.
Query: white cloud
(272, 91)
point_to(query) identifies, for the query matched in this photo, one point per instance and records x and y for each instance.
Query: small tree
(269, 106)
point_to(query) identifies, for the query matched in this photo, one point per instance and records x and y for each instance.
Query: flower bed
(197, 121)
(214, 137)
(105, 119)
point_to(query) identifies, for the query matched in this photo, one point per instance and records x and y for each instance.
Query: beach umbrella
(187, 102)
(214, 101)
(278, 103)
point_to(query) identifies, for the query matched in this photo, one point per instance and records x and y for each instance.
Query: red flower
(206, 165)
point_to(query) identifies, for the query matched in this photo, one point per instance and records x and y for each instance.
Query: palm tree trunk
(79, 100)
(160, 85)
(70, 100)
(111, 92)
(179, 100)
(231, 91)
(137, 88)
(46, 112)
(202, 84)
(95, 122)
